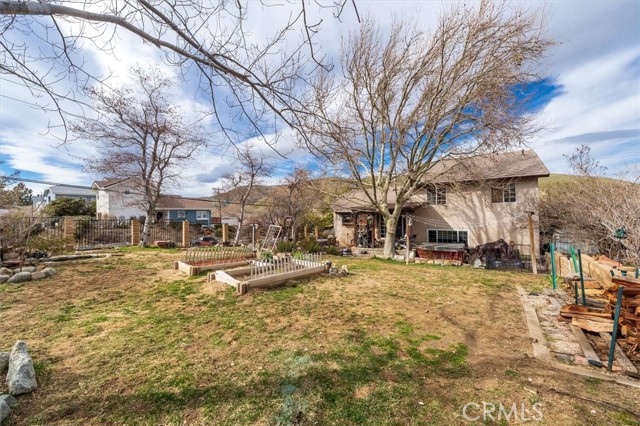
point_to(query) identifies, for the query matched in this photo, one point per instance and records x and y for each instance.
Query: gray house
(64, 191)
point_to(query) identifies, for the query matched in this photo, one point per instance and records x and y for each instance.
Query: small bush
(266, 255)
(309, 246)
(332, 251)
(285, 247)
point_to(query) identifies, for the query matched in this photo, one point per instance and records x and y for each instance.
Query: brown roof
(357, 200)
(504, 165)
(104, 183)
(173, 202)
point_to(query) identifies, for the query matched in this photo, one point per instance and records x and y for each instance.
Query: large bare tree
(408, 99)
(142, 137)
(589, 208)
(258, 80)
(251, 168)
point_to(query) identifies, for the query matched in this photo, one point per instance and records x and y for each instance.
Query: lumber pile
(601, 320)
(629, 322)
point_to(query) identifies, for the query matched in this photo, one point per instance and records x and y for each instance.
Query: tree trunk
(146, 232)
(236, 239)
(390, 237)
(146, 229)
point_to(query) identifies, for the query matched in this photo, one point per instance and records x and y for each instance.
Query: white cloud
(600, 94)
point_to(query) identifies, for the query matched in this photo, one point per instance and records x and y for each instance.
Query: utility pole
(534, 261)
(219, 207)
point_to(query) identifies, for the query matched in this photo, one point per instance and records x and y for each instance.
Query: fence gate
(91, 233)
(271, 238)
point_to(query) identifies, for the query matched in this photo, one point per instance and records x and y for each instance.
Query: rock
(38, 275)
(477, 263)
(20, 277)
(4, 361)
(49, 272)
(21, 377)
(6, 402)
(412, 254)
(4, 278)
(9, 400)
(25, 269)
(344, 269)
(6, 271)
(9, 256)
(398, 257)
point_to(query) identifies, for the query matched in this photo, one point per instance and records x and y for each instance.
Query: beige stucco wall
(470, 208)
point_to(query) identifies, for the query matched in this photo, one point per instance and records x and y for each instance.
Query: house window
(436, 195)
(181, 214)
(447, 236)
(347, 219)
(202, 215)
(504, 193)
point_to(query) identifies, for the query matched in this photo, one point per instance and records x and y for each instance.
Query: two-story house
(472, 201)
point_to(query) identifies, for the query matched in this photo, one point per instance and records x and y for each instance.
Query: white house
(117, 198)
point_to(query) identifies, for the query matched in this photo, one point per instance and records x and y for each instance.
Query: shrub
(285, 247)
(266, 255)
(332, 251)
(309, 246)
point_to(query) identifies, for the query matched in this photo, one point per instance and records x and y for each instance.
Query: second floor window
(504, 193)
(436, 195)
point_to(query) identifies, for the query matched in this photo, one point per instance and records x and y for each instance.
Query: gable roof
(358, 200)
(503, 165)
(61, 190)
(175, 202)
(105, 183)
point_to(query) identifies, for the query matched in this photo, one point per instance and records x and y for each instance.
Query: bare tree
(407, 100)
(43, 44)
(290, 201)
(142, 137)
(590, 208)
(251, 168)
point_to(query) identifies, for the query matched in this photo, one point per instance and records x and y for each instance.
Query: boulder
(20, 277)
(21, 377)
(6, 271)
(4, 278)
(49, 272)
(7, 402)
(38, 275)
(11, 255)
(4, 361)
(25, 269)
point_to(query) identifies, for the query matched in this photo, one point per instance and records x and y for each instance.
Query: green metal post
(553, 266)
(575, 287)
(573, 257)
(614, 334)
(584, 297)
(637, 272)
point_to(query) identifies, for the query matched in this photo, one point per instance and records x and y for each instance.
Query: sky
(590, 93)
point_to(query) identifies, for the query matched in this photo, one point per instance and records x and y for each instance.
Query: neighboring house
(472, 201)
(63, 191)
(118, 198)
(173, 208)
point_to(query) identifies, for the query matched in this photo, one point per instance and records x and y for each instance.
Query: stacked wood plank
(588, 319)
(629, 322)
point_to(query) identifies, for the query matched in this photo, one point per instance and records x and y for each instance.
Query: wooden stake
(534, 263)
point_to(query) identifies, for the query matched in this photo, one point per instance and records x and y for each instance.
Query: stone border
(542, 353)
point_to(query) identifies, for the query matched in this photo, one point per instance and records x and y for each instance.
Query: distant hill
(559, 179)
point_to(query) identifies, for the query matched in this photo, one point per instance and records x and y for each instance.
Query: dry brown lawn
(127, 340)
